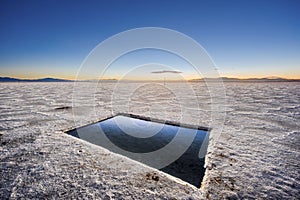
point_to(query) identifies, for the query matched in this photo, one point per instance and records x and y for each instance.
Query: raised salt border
(256, 156)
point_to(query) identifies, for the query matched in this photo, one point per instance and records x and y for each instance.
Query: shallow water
(140, 139)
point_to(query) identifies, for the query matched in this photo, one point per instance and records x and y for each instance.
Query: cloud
(166, 71)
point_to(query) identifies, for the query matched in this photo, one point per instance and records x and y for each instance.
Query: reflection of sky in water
(136, 136)
(129, 133)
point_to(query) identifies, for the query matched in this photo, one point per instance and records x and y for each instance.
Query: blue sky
(244, 38)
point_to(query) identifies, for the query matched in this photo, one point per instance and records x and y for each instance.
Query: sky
(245, 38)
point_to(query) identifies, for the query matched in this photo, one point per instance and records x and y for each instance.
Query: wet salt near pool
(166, 146)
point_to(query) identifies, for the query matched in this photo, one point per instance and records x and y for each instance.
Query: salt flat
(256, 156)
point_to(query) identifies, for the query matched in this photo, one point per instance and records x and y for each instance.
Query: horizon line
(116, 79)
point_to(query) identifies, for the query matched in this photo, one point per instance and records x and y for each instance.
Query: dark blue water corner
(133, 136)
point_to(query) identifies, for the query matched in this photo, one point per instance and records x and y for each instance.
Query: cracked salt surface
(256, 156)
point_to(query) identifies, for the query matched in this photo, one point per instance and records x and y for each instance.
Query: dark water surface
(167, 147)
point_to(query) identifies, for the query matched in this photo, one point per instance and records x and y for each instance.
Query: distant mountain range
(267, 79)
(8, 79)
(224, 79)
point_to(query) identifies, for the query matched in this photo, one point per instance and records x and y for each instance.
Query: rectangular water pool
(167, 146)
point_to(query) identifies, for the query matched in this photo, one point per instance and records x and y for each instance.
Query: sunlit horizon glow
(73, 78)
(246, 39)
